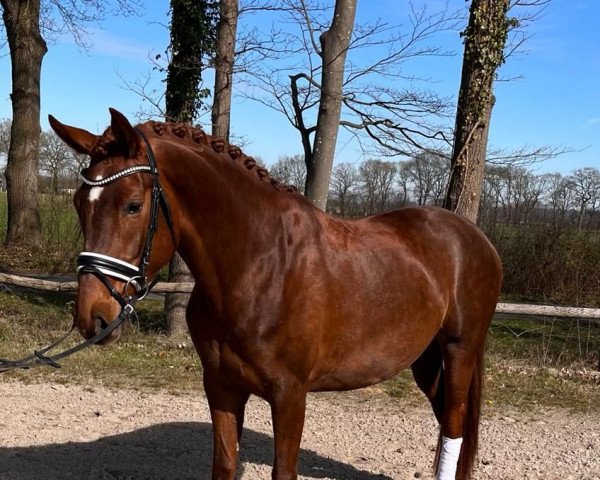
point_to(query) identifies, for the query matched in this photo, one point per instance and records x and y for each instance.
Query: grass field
(537, 363)
(61, 237)
(145, 358)
(529, 364)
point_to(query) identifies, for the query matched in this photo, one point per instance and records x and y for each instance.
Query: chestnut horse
(287, 299)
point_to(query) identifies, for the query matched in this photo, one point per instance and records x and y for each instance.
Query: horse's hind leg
(428, 374)
(463, 372)
(227, 412)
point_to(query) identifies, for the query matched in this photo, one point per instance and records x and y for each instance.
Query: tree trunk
(334, 46)
(485, 39)
(192, 39)
(176, 303)
(27, 49)
(226, 32)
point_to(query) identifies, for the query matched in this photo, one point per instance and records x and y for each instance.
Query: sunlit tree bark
(485, 40)
(334, 46)
(225, 52)
(27, 49)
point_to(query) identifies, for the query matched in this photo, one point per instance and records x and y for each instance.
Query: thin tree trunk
(304, 131)
(334, 46)
(226, 32)
(27, 50)
(485, 39)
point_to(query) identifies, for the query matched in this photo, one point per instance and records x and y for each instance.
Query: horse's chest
(230, 364)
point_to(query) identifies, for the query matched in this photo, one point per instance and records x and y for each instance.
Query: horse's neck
(224, 212)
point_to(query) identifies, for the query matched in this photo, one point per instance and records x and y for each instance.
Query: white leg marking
(449, 458)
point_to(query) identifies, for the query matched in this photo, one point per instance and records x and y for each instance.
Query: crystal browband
(115, 176)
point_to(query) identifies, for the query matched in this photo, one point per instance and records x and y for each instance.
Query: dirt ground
(51, 431)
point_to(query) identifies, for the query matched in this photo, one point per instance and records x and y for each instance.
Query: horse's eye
(133, 207)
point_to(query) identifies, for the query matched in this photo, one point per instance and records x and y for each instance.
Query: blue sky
(555, 102)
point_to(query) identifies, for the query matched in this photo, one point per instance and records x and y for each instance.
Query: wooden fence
(167, 287)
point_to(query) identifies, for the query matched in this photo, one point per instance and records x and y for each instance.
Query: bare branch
(73, 16)
(152, 98)
(527, 155)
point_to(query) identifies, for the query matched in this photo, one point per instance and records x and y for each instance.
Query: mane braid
(195, 135)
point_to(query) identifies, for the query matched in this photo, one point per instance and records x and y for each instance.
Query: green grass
(61, 237)
(533, 364)
(144, 358)
(548, 342)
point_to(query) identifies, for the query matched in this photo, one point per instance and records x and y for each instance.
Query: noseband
(104, 266)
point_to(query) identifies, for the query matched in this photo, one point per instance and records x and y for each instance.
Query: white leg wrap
(449, 458)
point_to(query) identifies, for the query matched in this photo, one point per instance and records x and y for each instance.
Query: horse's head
(123, 215)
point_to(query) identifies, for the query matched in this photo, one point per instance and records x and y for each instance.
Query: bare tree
(427, 177)
(334, 46)
(487, 46)
(485, 40)
(585, 183)
(290, 170)
(24, 22)
(344, 181)
(54, 158)
(5, 126)
(396, 120)
(377, 179)
(238, 49)
(490, 196)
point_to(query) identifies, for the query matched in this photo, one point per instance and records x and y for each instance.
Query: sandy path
(52, 432)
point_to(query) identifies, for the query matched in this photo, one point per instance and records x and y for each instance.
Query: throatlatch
(104, 266)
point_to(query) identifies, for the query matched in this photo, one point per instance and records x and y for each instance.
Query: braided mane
(197, 136)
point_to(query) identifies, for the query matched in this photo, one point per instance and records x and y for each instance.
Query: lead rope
(38, 357)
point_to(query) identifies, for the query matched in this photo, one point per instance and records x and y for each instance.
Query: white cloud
(108, 44)
(591, 121)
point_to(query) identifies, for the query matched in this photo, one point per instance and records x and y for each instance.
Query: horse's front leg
(288, 406)
(227, 407)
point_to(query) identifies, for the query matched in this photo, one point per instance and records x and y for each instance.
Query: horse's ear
(78, 139)
(124, 133)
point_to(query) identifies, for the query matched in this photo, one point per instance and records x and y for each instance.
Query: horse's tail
(468, 453)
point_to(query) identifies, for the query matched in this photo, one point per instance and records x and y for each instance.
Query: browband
(116, 176)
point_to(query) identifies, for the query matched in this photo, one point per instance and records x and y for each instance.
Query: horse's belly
(363, 368)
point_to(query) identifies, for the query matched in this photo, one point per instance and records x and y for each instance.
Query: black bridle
(104, 266)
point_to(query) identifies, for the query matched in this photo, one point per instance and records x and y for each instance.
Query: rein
(104, 266)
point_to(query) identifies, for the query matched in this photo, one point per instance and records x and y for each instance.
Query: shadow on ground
(174, 451)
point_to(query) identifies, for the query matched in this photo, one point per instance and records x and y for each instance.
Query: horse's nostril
(100, 322)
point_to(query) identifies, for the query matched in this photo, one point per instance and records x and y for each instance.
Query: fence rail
(53, 286)
(169, 287)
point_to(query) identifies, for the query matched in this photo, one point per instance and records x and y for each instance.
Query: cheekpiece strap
(116, 176)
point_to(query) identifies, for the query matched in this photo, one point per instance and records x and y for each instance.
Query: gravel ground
(51, 431)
